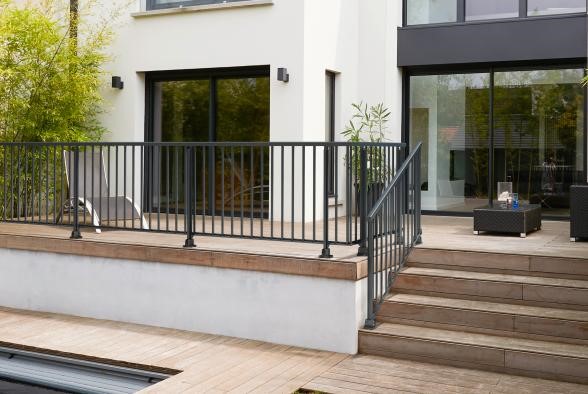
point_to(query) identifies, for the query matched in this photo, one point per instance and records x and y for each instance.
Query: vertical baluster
(292, 192)
(272, 187)
(133, 188)
(314, 192)
(232, 190)
(303, 213)
(282, 192)
(75, 234)
(252, 189)
(262, 192)
(18, 182)
(335, 181)
(177, 185)
(326, 252)
(363, 201)
(189, 163)
(242, 189)
(223, 180)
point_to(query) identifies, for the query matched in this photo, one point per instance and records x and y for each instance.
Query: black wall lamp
(283, 74)
(117, 83)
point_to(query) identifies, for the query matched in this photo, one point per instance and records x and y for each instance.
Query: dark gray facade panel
(563, 37)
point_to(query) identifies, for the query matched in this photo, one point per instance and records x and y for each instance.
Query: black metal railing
(393, 229)
(270, 190)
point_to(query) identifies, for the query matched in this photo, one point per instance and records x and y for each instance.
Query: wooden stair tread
(490, 307)
(479, 340)
(482, 276)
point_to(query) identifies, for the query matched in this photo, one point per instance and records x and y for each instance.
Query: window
(423, 12)
(226, 105)
(159, 4)
(481, 128)
(419, 12)
(484, 9)
(551, 7)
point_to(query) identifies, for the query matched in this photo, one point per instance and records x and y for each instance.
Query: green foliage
(369, 124)
(49, 79)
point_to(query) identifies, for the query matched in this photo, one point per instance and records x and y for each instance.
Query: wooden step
(521, 321)
(550, 360)
(533, 289)
(499, 262)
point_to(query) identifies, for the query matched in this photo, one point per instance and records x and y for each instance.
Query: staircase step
(507, 319)
(536, 289)
(522, 356)
(531, 265)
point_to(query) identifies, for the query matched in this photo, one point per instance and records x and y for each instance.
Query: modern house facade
(478, 92)
(492, 89)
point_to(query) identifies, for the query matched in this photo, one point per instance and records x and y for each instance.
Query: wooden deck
(369, 374)
(214, 364)
(456, 233)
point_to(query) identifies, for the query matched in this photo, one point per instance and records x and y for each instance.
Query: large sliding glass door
(450, 115)
(208, 106)
(481, 128)
(539, 134)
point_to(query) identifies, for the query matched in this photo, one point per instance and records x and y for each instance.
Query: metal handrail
(393, 229)
(182, 187)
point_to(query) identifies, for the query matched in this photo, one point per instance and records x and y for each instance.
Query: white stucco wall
(307, 37)
(309, 312)
(353, 38)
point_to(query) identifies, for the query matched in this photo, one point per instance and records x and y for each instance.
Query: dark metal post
(326, 254)
(363, 198)
(370, 321)
(188, 189)
(417, 197)
(75, 234)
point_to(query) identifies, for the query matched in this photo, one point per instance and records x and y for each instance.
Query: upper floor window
(419, 12)
(159, 4)
(422, 12)
(551, 7)
(484, 9)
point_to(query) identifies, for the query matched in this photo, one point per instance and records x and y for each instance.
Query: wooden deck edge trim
(339, 270)
(363, 331)
(530, 257)
(85, 357)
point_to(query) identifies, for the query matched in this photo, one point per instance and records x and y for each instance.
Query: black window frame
(210, 74)
(461, 14)
(152, 5)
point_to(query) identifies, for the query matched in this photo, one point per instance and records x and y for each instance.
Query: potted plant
(368, 124)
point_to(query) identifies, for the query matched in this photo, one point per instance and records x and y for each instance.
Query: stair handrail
(393, 230)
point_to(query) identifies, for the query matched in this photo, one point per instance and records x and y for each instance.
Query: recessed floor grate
(71, 375)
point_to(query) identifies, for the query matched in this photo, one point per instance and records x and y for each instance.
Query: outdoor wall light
(117, 83)
(283, 74)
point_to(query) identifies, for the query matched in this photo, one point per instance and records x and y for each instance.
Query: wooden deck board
(215, 364)
(456, 233)
(372, 374)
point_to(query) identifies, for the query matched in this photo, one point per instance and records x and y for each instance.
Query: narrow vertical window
(330, 126)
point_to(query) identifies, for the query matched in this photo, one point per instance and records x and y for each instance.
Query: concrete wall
(309, 312)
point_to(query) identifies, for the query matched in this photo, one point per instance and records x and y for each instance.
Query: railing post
(370, 321)
(188, 193)
(363, 197)
(76, 234)
(326, 253)
(417, 193)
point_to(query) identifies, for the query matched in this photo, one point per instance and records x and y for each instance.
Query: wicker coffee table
(523, 220)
